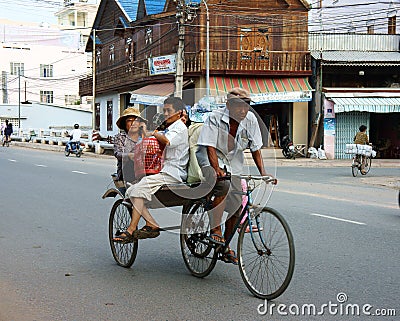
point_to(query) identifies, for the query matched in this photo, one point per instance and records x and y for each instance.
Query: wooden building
(258, 45)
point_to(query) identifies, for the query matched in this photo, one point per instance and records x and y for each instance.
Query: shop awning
(372, 105)
(264, 90)
(153, 94)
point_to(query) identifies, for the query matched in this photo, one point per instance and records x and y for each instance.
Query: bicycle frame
(247, 211)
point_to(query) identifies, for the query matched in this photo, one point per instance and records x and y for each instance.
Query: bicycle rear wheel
(120, 218)
(266, 260)
(198, 254)
(354, 167)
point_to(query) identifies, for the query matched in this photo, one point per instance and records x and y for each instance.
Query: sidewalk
(308, 162)
(267, 154)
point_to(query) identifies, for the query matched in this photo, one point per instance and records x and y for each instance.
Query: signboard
(162, 65)
(288, 96)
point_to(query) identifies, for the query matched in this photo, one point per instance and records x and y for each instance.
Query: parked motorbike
(74, 148)
(288, 149)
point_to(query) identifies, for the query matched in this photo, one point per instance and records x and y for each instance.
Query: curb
(280, 161)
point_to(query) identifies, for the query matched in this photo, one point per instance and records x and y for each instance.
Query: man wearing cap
(176, 156)
(226, 133)
(133, 128)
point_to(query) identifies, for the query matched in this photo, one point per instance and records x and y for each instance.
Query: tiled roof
(154, 6)
(358, 57)
(130, 7)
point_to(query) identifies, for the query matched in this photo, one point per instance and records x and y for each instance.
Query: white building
(40, 65)
(354, 16)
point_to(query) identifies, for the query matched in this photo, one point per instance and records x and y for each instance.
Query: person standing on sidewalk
(361, 138)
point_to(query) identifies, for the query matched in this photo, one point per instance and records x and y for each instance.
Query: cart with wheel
(265, 245)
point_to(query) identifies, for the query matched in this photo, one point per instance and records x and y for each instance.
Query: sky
(33, 11)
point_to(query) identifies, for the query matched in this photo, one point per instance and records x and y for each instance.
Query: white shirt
(215, 133)
(176, 154)
(76, 135)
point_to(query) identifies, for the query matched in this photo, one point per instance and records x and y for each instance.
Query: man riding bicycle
(225, 135)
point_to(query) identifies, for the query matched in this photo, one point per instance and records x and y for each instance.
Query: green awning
(371, 105)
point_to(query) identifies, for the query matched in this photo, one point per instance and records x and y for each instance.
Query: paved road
(56, 263)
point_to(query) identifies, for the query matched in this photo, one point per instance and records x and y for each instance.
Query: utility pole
(94, 80)
(19, 100)
(180, 14)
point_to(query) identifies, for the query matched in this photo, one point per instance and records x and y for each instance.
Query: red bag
(148, 157)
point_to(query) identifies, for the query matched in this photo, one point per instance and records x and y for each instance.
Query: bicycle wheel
(266, 261)
(368, 162)
(120, 217)
(354, 167)
(198, 254)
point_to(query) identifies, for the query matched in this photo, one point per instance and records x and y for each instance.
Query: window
(254, 39)
(149, 36)
(392, 25)
(46, 97)
(111, 56)
(109, 115)
(46, 70)
(98, 56)
(17, 68)
(71, 100)
(370, 30)
(128, 49)
(97, 116)
(4, 86)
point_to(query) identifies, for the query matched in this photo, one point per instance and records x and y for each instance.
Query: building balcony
(233, 62)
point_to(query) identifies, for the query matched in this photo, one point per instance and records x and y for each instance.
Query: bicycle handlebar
(265, 178)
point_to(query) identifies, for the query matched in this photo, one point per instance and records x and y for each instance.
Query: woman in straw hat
(133, 127)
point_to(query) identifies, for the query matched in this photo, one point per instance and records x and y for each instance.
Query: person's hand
(131, 156)
(220, 172)
(143, 127)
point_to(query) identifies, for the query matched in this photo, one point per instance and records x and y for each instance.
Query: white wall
(44, 116)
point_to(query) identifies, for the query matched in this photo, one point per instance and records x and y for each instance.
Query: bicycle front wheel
(199, 255)
(266, 255)
(120, 218)
(368, 162)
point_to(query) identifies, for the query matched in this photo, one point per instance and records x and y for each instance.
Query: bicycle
(357, 164)
(265, 251)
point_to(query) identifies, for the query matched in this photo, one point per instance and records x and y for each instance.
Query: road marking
(40, 165)
(338, 219)
(78, 172)
(13, 160)
(335, 198)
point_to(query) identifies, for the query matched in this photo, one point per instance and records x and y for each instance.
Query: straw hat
(129, 112)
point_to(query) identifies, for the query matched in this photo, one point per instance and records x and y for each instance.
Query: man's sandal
(216, 239)
(146, 232)
(123, 237)
(230, 257)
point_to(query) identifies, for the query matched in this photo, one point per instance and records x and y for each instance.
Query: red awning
(264, 90)
(221, 85)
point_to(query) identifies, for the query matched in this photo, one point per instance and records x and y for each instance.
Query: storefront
(282, 103)
(345, 112)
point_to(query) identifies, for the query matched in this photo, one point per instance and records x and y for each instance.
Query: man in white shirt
(176, 157)
(226, 133)
(75, 135)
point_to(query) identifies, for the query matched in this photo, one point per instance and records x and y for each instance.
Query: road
(56, 263)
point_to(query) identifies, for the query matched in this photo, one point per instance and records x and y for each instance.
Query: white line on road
(40, 165)
(12, 160)
(78, 172)
(338, 219)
